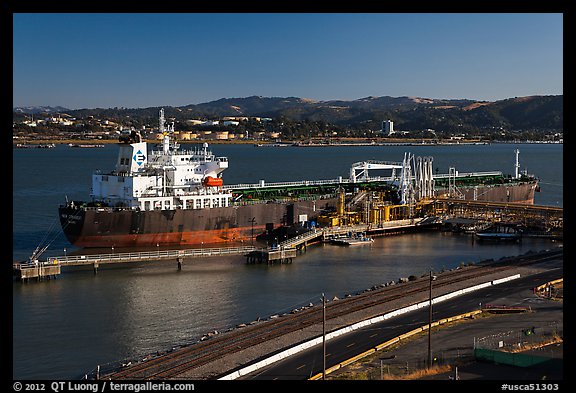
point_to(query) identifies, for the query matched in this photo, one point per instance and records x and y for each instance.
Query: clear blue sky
(91, 60)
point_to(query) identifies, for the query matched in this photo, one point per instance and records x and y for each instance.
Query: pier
(543, 221)
(51, 267)
(38, 271)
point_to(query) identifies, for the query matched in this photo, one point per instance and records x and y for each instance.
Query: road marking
(350, 345)
(374, 335)
(302, 366)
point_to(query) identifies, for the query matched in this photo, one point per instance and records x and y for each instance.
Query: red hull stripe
(233, 235)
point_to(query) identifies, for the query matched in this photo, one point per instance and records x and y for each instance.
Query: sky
(106, 60)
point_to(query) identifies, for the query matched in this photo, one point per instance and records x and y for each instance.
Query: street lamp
(65, 256)
(432, 278)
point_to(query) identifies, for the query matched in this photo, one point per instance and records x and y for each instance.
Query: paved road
(516, 292)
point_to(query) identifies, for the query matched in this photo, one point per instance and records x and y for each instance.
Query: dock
(39, 271)
(51, 267)
(285, 251)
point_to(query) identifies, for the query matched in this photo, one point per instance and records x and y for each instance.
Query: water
(64, 328)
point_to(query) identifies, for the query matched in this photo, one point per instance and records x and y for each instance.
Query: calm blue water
(64, 328)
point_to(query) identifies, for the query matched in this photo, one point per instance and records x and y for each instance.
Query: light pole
(65, 256)
(323, 337)
(432, 278)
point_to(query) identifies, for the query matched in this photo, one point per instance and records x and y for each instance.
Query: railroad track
(177, 362)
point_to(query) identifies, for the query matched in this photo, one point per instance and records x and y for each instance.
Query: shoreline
(358, 142)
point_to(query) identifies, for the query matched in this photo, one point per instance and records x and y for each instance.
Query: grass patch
(417, 374)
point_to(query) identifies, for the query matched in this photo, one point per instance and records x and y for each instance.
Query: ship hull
(106, 227)
(507, 193)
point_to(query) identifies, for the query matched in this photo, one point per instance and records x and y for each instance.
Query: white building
(388, 127)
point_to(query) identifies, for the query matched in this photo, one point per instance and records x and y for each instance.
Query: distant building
(222, 135)
(194, 122)
(388, 127)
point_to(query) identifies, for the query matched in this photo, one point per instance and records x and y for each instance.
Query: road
(308, 363)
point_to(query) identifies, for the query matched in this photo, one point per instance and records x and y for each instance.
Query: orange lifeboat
(210, 181)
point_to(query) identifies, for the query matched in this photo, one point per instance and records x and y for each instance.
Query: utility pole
(432, 278)
(323, 337)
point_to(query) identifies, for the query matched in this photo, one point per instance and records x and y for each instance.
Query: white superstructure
(166, 178)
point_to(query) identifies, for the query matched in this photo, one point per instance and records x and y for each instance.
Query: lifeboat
(210, 181)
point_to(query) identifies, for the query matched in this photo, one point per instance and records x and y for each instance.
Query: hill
(532, 113)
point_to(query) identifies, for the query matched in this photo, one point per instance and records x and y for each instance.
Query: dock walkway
(52, 265)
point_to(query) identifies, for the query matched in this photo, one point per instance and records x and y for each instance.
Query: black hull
(107, 227)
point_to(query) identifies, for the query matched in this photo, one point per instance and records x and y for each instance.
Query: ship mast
(162, 129)
(165, 131)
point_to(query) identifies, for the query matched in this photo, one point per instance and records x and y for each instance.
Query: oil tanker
(166, 195)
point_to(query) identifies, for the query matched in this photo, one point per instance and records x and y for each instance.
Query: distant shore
(347, 142)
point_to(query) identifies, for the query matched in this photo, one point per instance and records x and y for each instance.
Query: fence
(515, 340)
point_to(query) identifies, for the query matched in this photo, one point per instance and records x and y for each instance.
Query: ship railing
(284, 184)
(469, 174)
(281, 200)
(75, 260)
(303, 183)
(108, 208)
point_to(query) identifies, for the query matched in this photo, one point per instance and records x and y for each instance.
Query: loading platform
(543, 221)
(285, 251)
